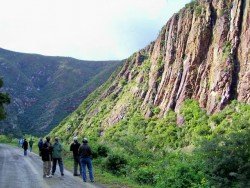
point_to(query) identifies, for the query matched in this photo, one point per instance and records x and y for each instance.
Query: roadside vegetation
(205, 151)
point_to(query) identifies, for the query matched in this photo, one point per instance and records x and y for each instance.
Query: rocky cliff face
(201, 53)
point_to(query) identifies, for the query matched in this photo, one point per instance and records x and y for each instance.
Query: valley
(44, 90)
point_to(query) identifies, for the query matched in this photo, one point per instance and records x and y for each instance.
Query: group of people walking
(53, 153)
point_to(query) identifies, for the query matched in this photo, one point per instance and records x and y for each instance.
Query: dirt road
(18, 171)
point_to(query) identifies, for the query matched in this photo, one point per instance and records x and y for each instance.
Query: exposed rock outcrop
(204, 54)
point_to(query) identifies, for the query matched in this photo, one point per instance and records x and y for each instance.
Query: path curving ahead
(18, 171)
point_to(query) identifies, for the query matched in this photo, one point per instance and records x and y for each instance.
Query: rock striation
(202, 53)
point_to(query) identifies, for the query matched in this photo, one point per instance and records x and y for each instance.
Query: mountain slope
(45, 89)
(200, 53)
(177, 113)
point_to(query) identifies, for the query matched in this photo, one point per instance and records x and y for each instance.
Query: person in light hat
(74, 147)
(86, 160)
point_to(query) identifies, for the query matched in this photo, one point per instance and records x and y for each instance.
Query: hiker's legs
(90, 168)
(25, 152)
(46, 164)
(54, 165)
(76, 163)
(83, 165)
(60, 162)
(47, 167)
(80, 166)
(44, 168)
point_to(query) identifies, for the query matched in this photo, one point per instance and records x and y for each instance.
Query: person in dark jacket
(25, 147)
(47, 157)
(40, 146)
(57, 156)
(31, 142)
(74, 147)
(85, 159)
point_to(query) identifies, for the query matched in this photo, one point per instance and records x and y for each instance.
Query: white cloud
(85, 29)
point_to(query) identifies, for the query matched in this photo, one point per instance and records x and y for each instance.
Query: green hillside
(205, 151)
(46, 89)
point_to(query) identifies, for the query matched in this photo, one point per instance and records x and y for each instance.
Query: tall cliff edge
(201, 53)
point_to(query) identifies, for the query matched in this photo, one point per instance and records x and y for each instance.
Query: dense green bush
(116, 163)
(102, 150)
(5, 139)
(182, 175)
(146, 175)
(227, 159)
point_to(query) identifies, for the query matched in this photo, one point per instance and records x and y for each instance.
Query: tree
(4, 99)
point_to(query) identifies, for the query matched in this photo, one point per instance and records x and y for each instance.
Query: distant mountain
(45, 89)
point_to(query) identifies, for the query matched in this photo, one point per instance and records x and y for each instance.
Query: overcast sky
(83, 29)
